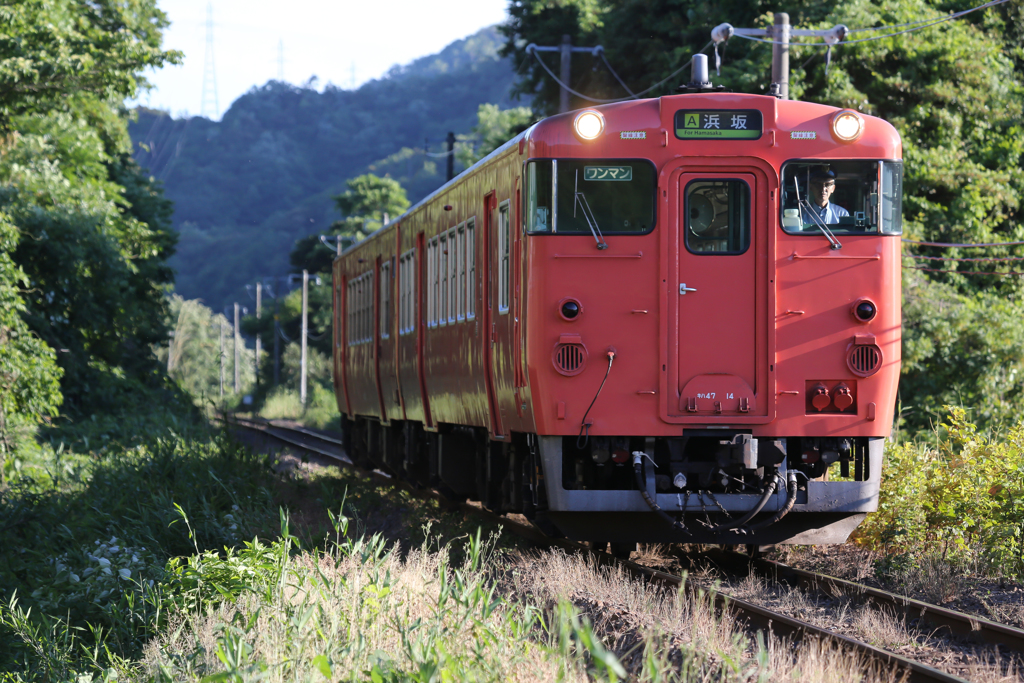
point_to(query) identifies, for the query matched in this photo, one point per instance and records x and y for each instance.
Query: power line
(962, 272)
(620, 99)
(980, 259)
(923, 24)
(964, 246)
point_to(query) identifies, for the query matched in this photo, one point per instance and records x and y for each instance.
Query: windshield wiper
(588, 214)
(815, 218)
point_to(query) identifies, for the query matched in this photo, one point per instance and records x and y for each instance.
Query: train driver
(822, 185)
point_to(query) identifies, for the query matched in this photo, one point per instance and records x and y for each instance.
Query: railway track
(976, 629)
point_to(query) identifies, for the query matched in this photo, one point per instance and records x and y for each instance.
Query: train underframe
(713, 486)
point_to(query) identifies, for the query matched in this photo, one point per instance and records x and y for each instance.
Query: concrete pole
(238, 354)
(222, 360)
(277, 346)
(259, 338)
(780, 53)
(566, 73)
(170, 351)
(305, 328)
(451, 160)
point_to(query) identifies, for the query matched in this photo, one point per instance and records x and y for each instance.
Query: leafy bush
(965, 496)
(88, 540)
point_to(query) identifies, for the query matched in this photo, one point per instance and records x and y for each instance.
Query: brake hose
(638, 472)
(790, 502)
(765, 496)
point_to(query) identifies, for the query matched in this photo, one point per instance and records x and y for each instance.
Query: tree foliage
(364, 206)
(953, 91)
(495, 126)
(85, 233)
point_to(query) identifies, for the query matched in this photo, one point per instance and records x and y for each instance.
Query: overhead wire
(633, 96)
(963, 272)
(923, 24)
(977, 259)
(963, 246)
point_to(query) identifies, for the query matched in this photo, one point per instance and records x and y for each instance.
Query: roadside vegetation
(950, 505)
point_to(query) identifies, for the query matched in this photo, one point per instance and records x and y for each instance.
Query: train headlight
(847, 125)
(588, 124)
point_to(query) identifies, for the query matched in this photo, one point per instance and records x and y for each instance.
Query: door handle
(683, 289)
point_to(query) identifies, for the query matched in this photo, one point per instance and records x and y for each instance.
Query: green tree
(495, 126)
(87, 267)
(364, 206)
(29, 375)
(50, 49)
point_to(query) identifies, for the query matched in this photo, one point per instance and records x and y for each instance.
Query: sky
(343, 42)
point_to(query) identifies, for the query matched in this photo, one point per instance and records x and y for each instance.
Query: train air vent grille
(864, 360)
(569, 359)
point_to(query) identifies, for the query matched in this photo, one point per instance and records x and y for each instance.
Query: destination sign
(607, 172)
(726, 124)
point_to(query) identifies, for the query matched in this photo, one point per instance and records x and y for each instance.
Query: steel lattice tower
(209, 106)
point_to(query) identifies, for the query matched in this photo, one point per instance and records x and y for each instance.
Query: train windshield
(843, 197)
(589, 196)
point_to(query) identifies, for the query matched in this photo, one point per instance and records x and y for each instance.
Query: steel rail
(975, 628)
(754, 615)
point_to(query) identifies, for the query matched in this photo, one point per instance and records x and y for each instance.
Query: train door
(718, 295)
(492, 293)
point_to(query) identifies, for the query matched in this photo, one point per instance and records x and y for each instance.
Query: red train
(665, 320)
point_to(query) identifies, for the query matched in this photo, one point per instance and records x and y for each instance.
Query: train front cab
(748, 352)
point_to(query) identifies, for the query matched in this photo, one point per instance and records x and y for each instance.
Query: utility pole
(238, 374)
(565, 73)
(451, 154)
(222, 360)
(305, 329)
(170, 351)
(780, 33)
(780, 53)
(565, 50)
(259, 337)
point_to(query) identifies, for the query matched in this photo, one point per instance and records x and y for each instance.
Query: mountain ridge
(246, 187)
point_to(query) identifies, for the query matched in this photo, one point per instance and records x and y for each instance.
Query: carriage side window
(385, 299)
(503, 254)
(359, 298)
(539, 191)
(407, 275)
(471, 269)
(845, 197)
(432, 282)
(337, 317)
(453, 275)
(717, 216)
(460, 309)
(442, 266)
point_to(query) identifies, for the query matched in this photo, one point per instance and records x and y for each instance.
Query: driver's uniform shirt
(828, 214)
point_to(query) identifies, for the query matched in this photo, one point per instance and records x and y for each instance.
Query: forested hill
(245, 188)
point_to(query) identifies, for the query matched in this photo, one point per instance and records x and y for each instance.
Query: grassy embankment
(183, 555)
